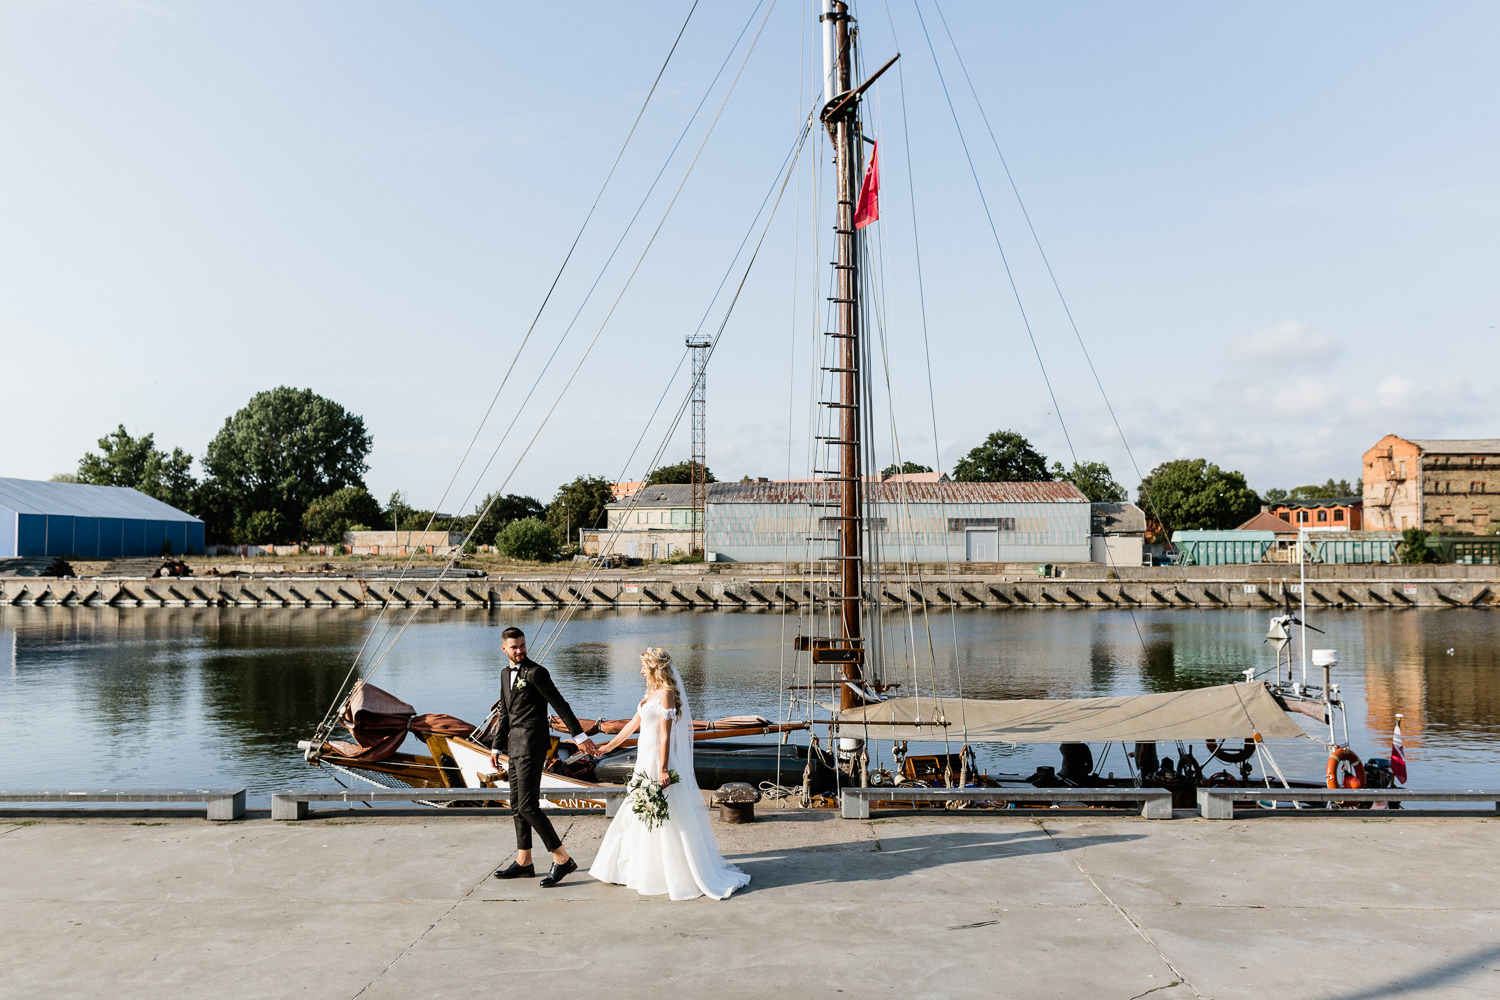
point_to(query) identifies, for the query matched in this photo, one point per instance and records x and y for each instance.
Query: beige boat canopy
(1216, 713)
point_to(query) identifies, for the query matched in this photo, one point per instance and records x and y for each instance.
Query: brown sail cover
(379, 722)
(1224, 712)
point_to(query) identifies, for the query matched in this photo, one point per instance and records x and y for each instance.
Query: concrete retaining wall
(1159, 587)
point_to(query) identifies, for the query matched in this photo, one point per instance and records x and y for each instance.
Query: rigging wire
(390, 646)
(609, 315)
(572, 607)
(639, 261)
(783, 705)
(603, 269)
(1057, 287)
(547, 298)
(1004, 260)
(793, 156)
(1037, 240)
(931, 392)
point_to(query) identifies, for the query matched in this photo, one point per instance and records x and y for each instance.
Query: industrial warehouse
(74, 520)
(922, 522)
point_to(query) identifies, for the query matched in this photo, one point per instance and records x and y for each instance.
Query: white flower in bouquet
(648, 799)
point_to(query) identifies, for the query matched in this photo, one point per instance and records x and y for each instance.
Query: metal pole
(1302, 586)
(698, 463)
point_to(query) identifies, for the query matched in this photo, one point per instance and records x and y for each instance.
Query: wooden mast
(842, 119)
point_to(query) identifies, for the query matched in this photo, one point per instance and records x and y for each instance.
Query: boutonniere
(519, 685)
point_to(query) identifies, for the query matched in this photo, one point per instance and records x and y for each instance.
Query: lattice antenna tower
(699, 465)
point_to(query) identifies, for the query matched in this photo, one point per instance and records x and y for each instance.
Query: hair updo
(658, 664)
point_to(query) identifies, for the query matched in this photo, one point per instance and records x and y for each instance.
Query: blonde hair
(658, 665)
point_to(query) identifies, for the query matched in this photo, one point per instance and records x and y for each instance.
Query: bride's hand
(665, 778)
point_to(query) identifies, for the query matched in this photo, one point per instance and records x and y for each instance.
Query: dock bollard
(736, 801)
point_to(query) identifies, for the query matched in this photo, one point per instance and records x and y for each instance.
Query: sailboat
(840, 661)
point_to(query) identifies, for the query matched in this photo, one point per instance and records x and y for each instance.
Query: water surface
(220, 696)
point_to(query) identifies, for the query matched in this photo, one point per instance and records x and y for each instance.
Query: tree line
(1184, 494)
(289, 467)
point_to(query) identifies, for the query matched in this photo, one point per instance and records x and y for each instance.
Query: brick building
(1333, 514)
(1438, 485)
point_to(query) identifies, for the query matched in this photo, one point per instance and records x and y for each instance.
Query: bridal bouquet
(647, 798)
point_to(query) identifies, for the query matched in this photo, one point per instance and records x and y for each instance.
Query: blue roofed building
(90, 522)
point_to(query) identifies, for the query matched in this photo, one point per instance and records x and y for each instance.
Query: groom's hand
(587, 746)
(495, 759)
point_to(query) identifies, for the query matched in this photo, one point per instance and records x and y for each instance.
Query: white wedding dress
(680, 858)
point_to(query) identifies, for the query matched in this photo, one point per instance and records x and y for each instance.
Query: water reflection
(221, 696)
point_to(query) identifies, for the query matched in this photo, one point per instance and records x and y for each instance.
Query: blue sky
(1275, 226)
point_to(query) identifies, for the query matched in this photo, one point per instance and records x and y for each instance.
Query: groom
(526, 689)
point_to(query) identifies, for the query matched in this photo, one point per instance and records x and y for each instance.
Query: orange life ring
(1354, 777)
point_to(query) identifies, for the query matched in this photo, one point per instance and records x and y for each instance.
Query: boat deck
(1348, 906)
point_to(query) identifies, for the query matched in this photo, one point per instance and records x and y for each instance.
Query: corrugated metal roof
(1118, 518)
(803, 492)
(1449, 446)
(669, 495)
(30, 496)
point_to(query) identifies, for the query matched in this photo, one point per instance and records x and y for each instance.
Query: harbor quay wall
(1074, 585)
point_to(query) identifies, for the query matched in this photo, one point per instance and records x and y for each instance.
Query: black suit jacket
(522, 723)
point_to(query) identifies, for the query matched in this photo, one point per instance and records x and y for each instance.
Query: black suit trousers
(525, 780)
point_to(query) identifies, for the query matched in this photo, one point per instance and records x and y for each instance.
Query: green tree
(1004, 457)
(397, 510)
(1413, 547)
(906, 468)
(682, 473)
(283, 450)
(214, 504)
(264, 527)
(1328, 491)
(1094, 480)
(579, 504)
(1193, 493)
(349, 509)
(529, 538)
(502, 510)
(1274, 495)
(139, 464)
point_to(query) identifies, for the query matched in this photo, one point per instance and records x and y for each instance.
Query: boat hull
(722, 761)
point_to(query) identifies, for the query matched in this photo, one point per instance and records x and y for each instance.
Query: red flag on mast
(868, 208)
(1398, 753)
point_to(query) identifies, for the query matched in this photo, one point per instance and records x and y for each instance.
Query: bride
(680, 857)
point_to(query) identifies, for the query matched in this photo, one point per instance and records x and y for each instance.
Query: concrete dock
(744, 587)
(1334, 907)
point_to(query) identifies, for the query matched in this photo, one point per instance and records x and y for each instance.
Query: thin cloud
(1287, 340)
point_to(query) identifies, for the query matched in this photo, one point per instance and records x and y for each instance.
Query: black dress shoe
(559, 872)
(514, 870)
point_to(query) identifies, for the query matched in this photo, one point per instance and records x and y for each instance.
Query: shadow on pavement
(1443, 973)
(895, 857)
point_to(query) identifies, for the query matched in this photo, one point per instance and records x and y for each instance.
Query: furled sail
(1224, 712)
(379, 722)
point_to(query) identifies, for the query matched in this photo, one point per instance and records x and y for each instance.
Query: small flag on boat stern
(1398, 753)
(868, 209)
